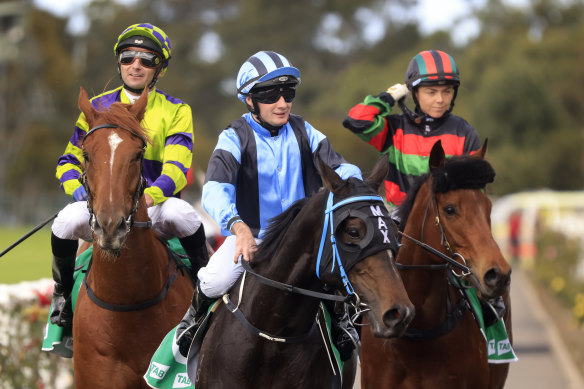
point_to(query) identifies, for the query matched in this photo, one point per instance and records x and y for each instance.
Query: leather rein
(351, 298)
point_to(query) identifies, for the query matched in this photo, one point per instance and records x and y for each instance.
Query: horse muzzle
(110, 233)
(494, 283)
(394, 323)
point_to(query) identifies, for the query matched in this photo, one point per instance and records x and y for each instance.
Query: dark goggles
(147, 59)
(272, 94)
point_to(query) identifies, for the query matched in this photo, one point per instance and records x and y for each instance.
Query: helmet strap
(453, 98)
(413, 116)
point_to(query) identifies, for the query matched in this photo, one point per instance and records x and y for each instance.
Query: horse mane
(119, 114)
(276, 230)
(458, 172)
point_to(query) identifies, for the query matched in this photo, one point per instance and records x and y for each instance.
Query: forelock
(462, 172)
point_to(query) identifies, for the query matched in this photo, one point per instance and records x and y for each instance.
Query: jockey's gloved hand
(398, 91)
(80, 194)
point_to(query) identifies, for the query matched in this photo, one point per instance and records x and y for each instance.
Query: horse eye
(450, 210)
(86, 157)
(354, 233)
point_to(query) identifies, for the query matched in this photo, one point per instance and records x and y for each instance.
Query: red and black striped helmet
(432, 67)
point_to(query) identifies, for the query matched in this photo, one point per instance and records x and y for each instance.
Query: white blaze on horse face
(114, 141)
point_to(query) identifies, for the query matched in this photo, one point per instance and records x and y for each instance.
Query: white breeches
(221, 272)
(172, 218)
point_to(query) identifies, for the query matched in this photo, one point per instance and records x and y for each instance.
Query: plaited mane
(462, 172)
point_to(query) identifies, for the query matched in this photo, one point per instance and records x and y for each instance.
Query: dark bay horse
(448, 210)
(136, 293)
(282, 347)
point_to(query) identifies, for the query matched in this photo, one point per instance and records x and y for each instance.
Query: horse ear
(139, 107)
(332, 181)
(85, 106)
(379, 173)
(437, 156)
(483, 150)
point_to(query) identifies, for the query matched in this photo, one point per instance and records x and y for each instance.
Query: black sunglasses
(147, 59)
(272, 94)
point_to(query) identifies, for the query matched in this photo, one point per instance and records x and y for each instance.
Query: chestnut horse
(449, 211)
(134, 292)
(281, 346)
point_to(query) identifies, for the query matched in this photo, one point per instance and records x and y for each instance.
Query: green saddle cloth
(499, 348)
(59, 340)
(168, 368)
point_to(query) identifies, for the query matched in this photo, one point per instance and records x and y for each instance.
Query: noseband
(142, 184)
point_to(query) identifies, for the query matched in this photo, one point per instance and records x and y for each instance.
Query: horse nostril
(123, 226)
(494, 278)
(392, 316)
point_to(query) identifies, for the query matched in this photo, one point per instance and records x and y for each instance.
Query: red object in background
(514, 232)
(190, 176)
(215, 241)
(46, 297)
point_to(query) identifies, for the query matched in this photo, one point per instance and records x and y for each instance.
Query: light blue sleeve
(218, 200)
(218, 197)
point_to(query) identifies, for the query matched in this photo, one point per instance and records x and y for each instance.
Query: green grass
(30, 260)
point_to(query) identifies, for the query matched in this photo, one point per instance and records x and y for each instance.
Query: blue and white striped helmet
(264, 66)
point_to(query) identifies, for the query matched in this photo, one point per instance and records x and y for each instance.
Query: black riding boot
(196, 247)
(64, 251)
(191, 322)
(344, 334)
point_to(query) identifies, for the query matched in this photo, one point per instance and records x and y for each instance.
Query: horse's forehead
(112, 139)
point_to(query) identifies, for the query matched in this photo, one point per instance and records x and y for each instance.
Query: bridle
(129, 222)
(453, 314)
(451, 262)
(351, 298)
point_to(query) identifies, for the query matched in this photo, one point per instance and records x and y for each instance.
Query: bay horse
(449, 211)
(133, 293)
(271, 339)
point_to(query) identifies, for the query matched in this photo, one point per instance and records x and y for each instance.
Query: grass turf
(28, 261)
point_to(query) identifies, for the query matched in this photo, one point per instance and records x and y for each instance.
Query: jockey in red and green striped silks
(406, 138)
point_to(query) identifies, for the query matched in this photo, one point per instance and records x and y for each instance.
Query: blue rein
(328, 220)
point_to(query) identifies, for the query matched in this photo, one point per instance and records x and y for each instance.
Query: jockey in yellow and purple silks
(142, 52)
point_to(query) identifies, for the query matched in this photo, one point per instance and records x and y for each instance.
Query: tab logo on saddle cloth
(381, 226)
(504, 346)
(500, 347)
(158, 371)
(491, 347)
(181, 380)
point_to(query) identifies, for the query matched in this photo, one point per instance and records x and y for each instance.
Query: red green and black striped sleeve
(368, 120)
